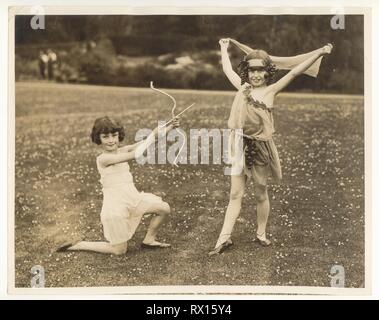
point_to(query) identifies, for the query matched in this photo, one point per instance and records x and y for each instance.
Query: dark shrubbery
(201, 70)
(102, 66)
(97, 68)
(134, 49)
(155, 44)
(26, 69)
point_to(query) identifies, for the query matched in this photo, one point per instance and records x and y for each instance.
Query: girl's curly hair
(106, 125)
(269, 66)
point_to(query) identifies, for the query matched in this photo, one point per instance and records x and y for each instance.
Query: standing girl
(123, 205)
(252, 111)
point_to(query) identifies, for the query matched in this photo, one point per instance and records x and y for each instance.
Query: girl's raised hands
(176, 122)
(224, 42)
(327, 49)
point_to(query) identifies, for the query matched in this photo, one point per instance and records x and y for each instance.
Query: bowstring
(173, 116)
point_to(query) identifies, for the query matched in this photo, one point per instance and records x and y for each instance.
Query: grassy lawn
(317, 216)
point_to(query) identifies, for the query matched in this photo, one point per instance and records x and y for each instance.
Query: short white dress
(123, 205)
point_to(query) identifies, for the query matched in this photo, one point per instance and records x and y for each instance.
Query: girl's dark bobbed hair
(106, 125)
(269, 66)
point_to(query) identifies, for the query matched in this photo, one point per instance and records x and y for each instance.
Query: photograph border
(200, 289)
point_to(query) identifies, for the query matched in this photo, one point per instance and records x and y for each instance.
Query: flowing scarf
(288, 63)
(238, 111)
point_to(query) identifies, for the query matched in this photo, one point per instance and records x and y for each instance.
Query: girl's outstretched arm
(107, 159)
(139, 148)
(132, 147)
(227, 66)
(298, 70)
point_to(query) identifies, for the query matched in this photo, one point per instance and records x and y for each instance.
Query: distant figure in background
(91, 45)
(42, 63)
(51, 64)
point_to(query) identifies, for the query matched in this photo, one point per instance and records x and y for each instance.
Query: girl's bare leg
(161, 213)
(263, 203)
(100, 246)
(234, 207)
(263, 210)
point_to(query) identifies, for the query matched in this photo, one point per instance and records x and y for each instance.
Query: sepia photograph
(190, 152)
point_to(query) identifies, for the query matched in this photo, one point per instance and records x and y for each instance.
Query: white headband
(255, 63)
